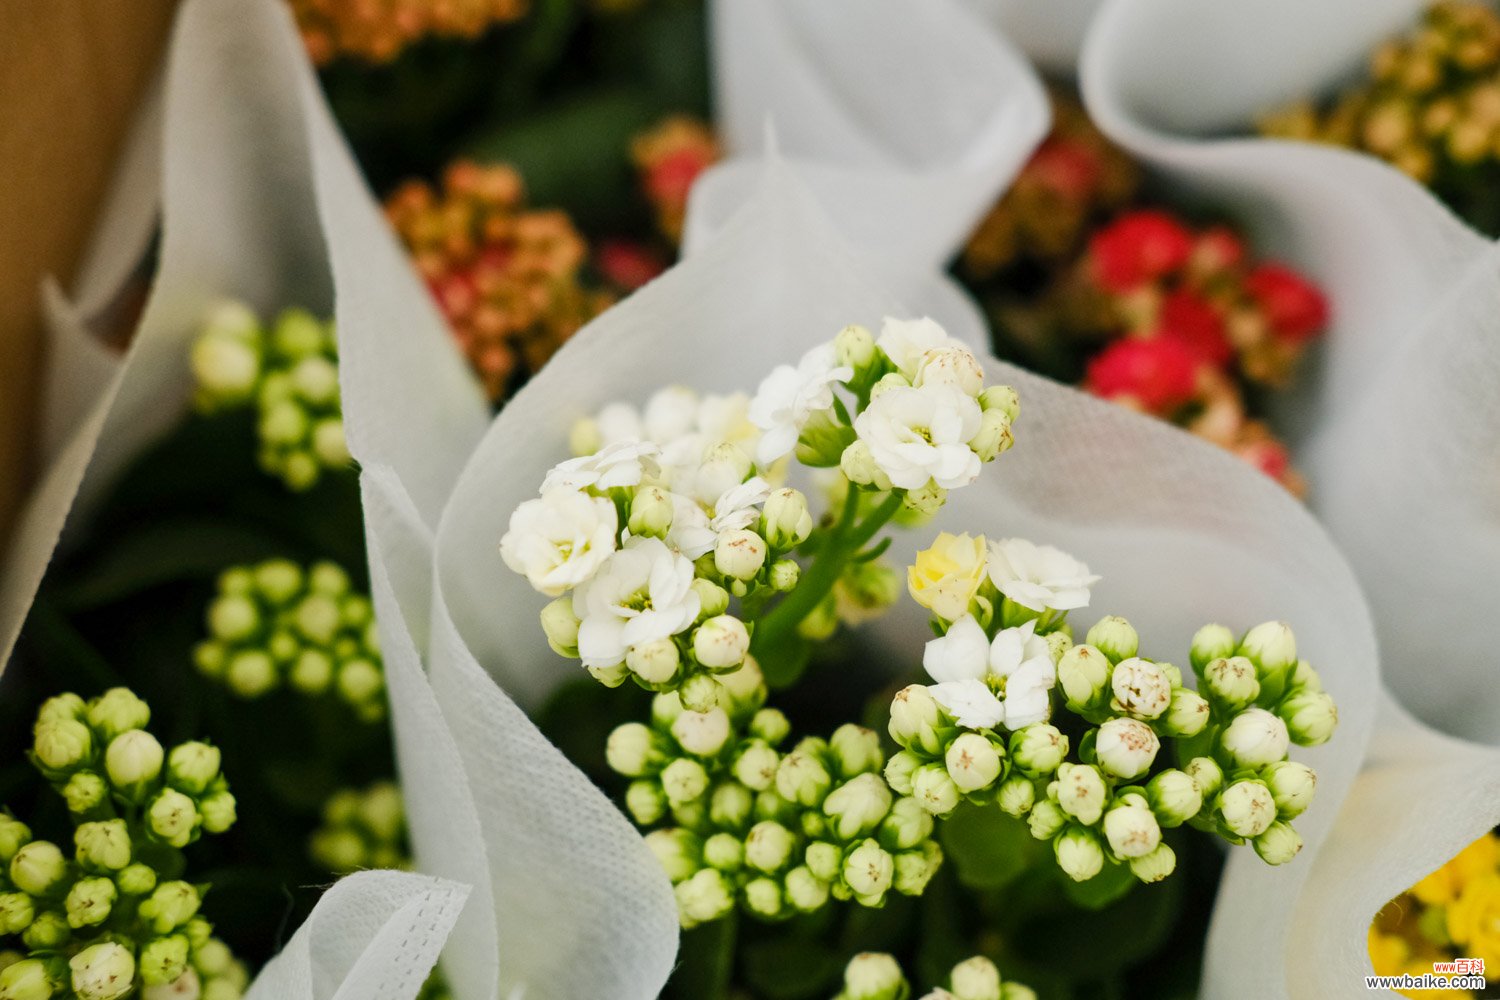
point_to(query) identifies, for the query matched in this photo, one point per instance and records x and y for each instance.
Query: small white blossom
(622, 463)
(917, 436)
(619, 422)
(643, 593)
(560, 539)
(690, 533)
(906, 341)
(739, 506)
(790, 395)
(955, 366)
(671, 413)
(1039, 576)
(967, 666)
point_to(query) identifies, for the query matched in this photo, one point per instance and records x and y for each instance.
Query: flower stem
(844, 542)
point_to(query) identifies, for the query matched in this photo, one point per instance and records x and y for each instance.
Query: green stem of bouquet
(707, 968)
(848, 537)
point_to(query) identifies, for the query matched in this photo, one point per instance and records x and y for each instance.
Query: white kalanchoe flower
(1126, 748)
(1081, 792)
(671, 413)
(559, 540)
(907, 341)
(623, 463)
(966, 664)
(921, 436)
(739, 506)
(1131, 829)
(1039, 577)
(1141, 688)
(1255, 737)
(952, 366)
(616, 423)
(690, 533)
(1248, 808)
(790, 395)
(641, 594)
(945, 576)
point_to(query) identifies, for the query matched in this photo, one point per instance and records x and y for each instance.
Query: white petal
(961, 654)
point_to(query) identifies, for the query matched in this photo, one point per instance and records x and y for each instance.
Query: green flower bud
(631, 750)
(805, 891)
(1083, 672)
(1278, 844)
(103, 846)
(651, 512)
(824, 860)
(700, 693)
(905, 826)
(1211, 642)
(665, 708)
(1140, 689)
(858, 806)
(1038, 749)
(925, 501)
(973, 762)
(84, 792)
(250, 673)
(702, 734)
(874, 976)
(1081, 792)
(103, 972)
(915, 719)
(28, 979)
(133, 761)
(1174, 797)
(171, 905)
(1304, 678)
(13, 834)
(1115, 637)
(721, 642)
(739, 554)
(1155, 866)
(763, 897)
(1186, 715)
(802, 778)
(1046, 819)
(89, 902)
(192, 767)
(706, 896)
(312, 672)
(934, 788)
(297, 333)
(38, 867)
(712, 598)
(49, 931)
(1271, 646)
(756, 765)
(217, 811)
(1247, 808)
(856, 750)
(858, 465)
(724, 851)
(173, 817)
(1126, 748)
(654, 662)
(915, 868)
(136, 879)
(854, 347)
(1292, 786)
(186, 985)
(164, 960)
(868, 872)
(1002, 398)
(975, 979)
(1311, 717)
(785, 520)
(771, 725)
(1231, 682)
(213, 958)
(1078, 853)
(360, 681)
(900, 770)
(1132, 830)
(16, 912)
(683, 781)
(1254, 738)
(1017, 794)
(561, 626)
(769, 847)
(340, 850)
(116, 711)
(784, 575)
(1207, 775)
(62, 745)
(994, 437)
(232, 618)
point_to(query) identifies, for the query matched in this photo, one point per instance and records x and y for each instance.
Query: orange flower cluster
(377, 30)
(1075, 177)
(508, 278)
(669, 157)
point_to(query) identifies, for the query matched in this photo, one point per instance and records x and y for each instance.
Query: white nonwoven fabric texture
(1396, 429)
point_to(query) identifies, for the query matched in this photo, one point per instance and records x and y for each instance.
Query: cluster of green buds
(362, 828)
(289, 374)
(1430, 106)
(875, 975)
(777, 833)
(278, 623)
(113, 916)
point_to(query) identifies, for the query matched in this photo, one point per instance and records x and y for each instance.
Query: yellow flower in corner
(1444, 885)
(1474, 919)
(947, 575)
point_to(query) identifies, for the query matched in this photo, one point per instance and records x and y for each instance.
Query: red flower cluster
(377, 30)
(669, 157)
(508, 278)
(1192, 319)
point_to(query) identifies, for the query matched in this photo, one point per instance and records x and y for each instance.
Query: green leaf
(987, 848)
(1100, 944)
(792, 969)
(1109, 886)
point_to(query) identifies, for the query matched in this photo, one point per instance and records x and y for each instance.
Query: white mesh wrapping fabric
(1396, 430)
